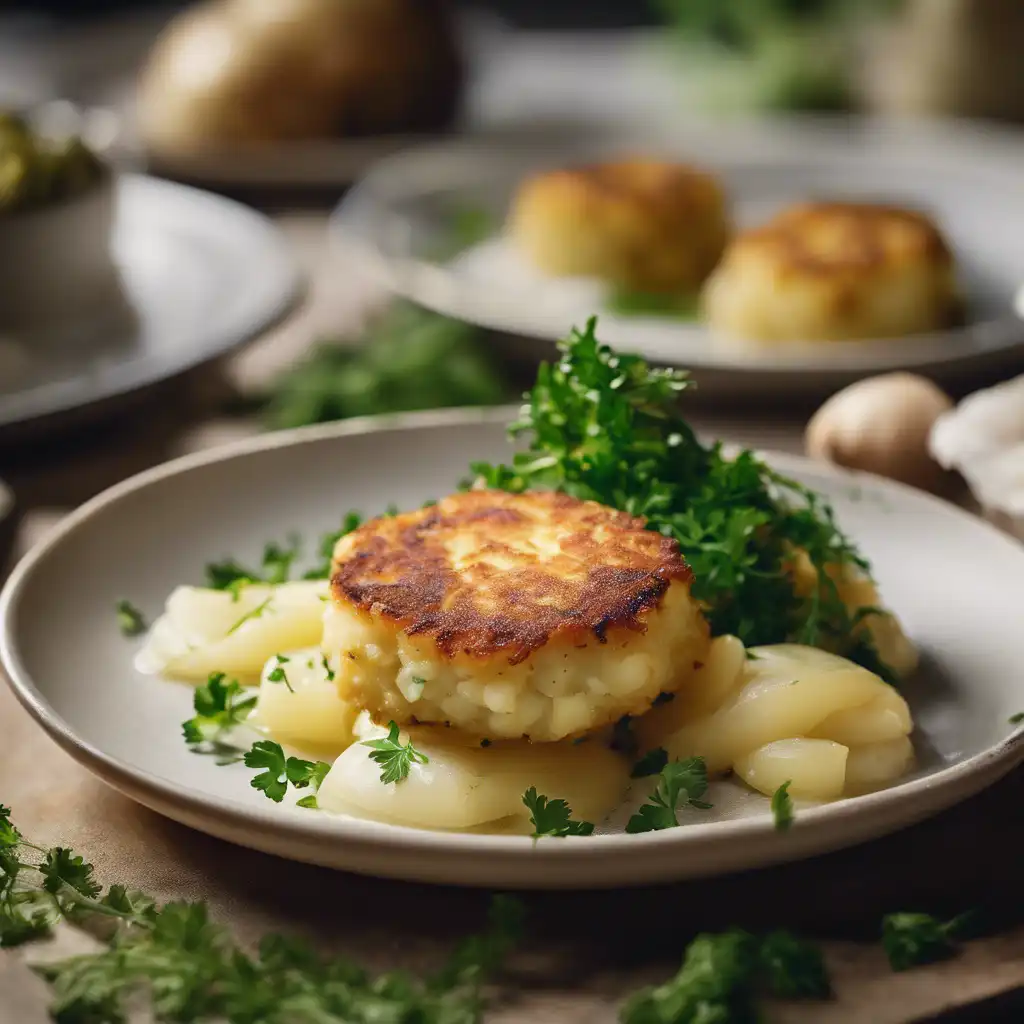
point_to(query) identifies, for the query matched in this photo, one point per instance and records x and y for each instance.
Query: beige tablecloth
(585, 949)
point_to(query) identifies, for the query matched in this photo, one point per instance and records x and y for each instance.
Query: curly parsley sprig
(679, 782)
(553, 817)
(190, 969)
(606, 426)
(394, 757)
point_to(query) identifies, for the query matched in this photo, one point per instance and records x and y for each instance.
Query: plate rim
(84, 389)
(280, 825)
(427, 283)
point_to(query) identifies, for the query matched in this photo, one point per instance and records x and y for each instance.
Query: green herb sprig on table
(607, 427)
(912, 939)
(190, 969)
(409, 359)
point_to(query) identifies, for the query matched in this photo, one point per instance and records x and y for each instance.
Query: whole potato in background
(238, 71)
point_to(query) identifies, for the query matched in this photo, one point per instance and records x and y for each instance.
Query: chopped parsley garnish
(910, 939)
(625, 302)
(679, 782)
(253, 613)
(394, 757)
(275, 567)
(782, 807)
(328, 671)
(280, 771)
(277, 673)
(173, 962)
(130, 620)
(651, 763)
(792, 968)
(605, 426)
(326, 545)
(553, 817)
(220, 705)
(1017, 718)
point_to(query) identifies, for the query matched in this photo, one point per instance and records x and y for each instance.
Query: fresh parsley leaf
(553, 817)
(782, 807)
(605, 426)
(277, 561)
(652, 763)
(395, 758)
(281, 771)
(679, 781)
(220, 705)
(328, 671)
(308, 802)
(715, 985)
(1017, 718)
(625, 302)
(792, 968)
(130, 620)
(911, 939)
(253, 613)
(408, 359)
(61, 867)
(325, 549)
(277, 673)
(229, 575)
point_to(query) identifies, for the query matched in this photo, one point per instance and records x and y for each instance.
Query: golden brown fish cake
(835, 271)
(637, 224)
(508, 615)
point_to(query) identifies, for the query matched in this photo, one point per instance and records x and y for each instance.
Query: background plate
(402, 212)
(201, 275)
(953, 579)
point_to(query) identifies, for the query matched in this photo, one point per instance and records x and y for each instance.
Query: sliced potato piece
(878, 764)
(303, 708)
(708, 688)
(467, 788)
(815, 769)
(887, 717)
(789, 691)
(204, 631)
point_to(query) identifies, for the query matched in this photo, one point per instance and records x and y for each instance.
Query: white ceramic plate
(967, 177)
(955, 581)
(200, 275)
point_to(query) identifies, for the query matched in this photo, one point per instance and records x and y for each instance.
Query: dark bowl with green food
(57, 207)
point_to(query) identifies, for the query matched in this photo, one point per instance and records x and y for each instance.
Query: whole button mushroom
(881, 425)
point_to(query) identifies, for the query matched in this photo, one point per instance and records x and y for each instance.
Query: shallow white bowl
(954, 580)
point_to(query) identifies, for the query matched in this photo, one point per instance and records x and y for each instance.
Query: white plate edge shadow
(439, 857)
(87, 388)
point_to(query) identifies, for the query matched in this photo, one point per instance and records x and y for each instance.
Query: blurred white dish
(199, 275)
(401, 215)
(144, 536)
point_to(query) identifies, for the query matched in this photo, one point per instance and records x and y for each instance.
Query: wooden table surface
(585, 949)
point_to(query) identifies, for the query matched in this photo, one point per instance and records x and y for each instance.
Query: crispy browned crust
(830, 238)
(494, 593)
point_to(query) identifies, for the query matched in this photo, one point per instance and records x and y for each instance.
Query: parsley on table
(394, 757)
(605, 426)
(782, 807)
(679, 781)
(220, 705)
(553, 817)
(280, 771)
(277, 673)
(792, 968)
(912, 939)
(130, 620)
(652, 763)
(188, 968)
